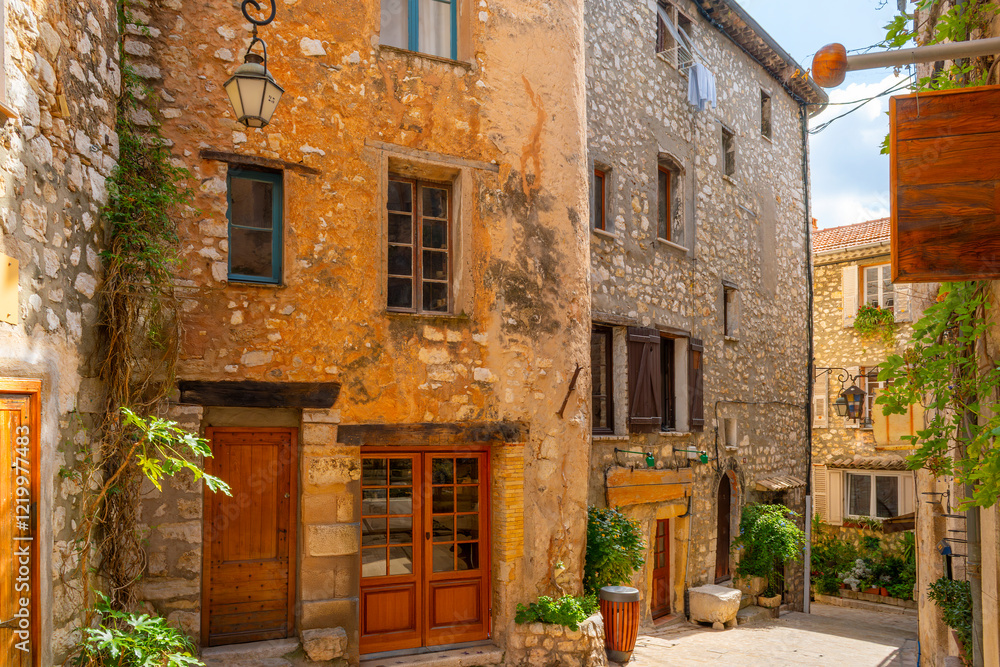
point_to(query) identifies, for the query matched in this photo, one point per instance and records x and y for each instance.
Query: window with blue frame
(255, 205)
(427, 26)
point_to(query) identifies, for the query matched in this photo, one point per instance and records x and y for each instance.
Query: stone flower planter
(769, 602)
(753, 586)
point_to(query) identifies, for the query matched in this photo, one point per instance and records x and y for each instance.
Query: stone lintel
(424, 434)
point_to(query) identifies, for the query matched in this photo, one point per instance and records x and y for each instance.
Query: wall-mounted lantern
(851, 402)
(252, 90)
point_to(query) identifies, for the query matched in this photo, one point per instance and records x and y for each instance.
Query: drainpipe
(807, 558)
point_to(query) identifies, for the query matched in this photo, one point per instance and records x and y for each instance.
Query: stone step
(254, 654)
(838, 601)
(477, 656)
(745, 601)
(752, 614)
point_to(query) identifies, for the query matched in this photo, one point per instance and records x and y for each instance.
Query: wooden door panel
(390, 609)
(722, 534)
(660, 605)
(456, 603)
(18, 442)
(249, 537)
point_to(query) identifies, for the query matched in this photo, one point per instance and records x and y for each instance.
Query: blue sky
(850, 179)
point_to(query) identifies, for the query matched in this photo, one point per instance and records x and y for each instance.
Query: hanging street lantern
(855, 399)
(840, 405)
(252, 90)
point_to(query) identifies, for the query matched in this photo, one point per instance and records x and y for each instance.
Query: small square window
(425, 26)
(765, 114)
(254, 213)
(598, 200)
(419, 246)
(728, 152)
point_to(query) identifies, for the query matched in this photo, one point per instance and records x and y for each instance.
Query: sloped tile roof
(870, 463)
(851, 236)
(779, 483)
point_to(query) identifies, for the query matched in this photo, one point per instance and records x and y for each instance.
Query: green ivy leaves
(567, 610)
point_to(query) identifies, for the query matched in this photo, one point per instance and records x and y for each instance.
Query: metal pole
(924, 54)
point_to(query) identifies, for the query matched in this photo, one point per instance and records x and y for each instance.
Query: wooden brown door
(424, 538)
(661, 570)
(249, 586)
(722, 534)
(17, 571)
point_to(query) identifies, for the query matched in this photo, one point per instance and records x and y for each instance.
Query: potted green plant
(769, 538)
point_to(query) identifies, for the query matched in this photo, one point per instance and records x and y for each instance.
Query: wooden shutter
(644, 382)
(907, 494)
(901, 305)
(835, 497)
(821, 401)
(696, 379)
(850, 289)
(820, 493)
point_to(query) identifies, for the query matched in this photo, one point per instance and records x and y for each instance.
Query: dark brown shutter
(696, 379)
(644, 383)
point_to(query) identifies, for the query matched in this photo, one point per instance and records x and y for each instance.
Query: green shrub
(615, 549)
(768, 538)
(568, 610)
(134, 640)
(874, 322)
(954, 599)
(828, 583)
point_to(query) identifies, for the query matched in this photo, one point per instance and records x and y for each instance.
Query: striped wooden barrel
(620, 609)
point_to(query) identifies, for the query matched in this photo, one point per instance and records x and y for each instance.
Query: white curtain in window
(395, 22)
(434, 27)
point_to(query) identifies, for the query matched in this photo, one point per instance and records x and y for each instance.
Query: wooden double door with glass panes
(424, 548)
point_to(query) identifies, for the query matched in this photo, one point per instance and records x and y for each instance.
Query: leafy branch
(944, 371)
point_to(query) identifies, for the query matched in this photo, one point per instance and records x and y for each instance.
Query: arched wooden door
(722, 535)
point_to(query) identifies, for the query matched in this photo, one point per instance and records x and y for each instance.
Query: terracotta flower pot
(769, 602)
(871, 591)
(884, 592)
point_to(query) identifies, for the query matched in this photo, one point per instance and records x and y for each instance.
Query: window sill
(253, 283)
(730, 180)
(731, 339)
(7, 113)
(424, 56)
(608, 437)
(674, 434)
(449, 317)
(604, 233)
(670, 244)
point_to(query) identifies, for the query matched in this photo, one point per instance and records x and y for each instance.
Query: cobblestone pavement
(834, 636)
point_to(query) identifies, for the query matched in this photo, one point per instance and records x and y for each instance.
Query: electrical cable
(860, 103)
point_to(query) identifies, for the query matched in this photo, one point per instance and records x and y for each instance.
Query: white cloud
(850, 178)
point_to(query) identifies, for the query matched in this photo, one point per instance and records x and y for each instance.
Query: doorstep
(255, 654)
(484, 655)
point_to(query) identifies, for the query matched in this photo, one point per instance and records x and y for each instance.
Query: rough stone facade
(550, 645)
(508, 136)
(57, 148)
(747, 229)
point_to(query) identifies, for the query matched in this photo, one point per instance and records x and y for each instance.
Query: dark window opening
(597, 200)
(670, 218)
(728, 153)
(601, 342)
(254, 212)
(669, 391)
(765, 114)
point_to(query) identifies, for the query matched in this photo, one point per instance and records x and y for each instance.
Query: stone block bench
(717, 605)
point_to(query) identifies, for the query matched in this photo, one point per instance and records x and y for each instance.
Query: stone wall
(748, 229)
(508, 135)
(551, 645)
(57, 148)
(840, 346)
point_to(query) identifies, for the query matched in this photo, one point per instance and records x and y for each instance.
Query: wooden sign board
(945, 185)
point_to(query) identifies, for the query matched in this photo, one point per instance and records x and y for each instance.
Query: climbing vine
(139, 337)
(943, 369)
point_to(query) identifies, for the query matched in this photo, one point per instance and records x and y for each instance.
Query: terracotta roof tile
(851, 236)
(871, 463)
